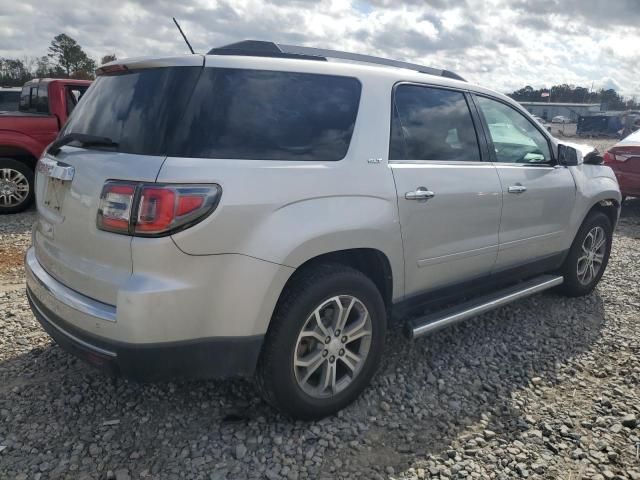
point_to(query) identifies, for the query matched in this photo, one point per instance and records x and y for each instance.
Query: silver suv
(266, 210)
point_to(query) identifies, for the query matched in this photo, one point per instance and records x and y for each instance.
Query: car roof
(633, 138)
(342, 67)
(70, 81)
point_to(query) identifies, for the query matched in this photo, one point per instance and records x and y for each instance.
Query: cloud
(503, 44)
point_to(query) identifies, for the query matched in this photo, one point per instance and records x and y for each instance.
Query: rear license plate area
(55, 193)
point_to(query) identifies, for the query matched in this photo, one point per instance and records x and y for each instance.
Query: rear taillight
(116, 203)
(621, 154)
(151, 210)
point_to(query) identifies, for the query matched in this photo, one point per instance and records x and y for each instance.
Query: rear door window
(432, 124)
(268, 115)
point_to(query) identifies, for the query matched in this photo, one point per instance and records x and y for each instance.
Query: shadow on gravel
(427, 393)
(630, 210)
(18, 223)
(448, 382)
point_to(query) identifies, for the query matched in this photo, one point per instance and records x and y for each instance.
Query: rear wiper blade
(82, 139)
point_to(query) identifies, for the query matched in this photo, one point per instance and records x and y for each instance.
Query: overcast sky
(502, 44)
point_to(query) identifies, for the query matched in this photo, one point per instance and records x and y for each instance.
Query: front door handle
(421, 193)
(517, 189)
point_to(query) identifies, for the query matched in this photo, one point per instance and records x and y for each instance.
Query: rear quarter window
(268, 115)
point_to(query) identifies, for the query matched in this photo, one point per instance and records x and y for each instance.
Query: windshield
(221, 113)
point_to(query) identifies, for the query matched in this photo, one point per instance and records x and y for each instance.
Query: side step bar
(437, 320)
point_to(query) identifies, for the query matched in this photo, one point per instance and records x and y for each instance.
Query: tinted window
(42, 101)
(137, 110)
(515, 138)
(73, 94)
(27, 98)
(253, 114)
(432, 124)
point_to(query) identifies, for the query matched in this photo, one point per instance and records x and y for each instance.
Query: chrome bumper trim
(38, 278)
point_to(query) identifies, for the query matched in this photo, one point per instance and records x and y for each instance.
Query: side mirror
(567, 156)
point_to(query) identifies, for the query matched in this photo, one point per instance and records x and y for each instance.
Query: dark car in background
(9, 98)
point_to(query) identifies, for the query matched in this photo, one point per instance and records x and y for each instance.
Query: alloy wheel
(590, 261)
(14, 187)
(332, 346)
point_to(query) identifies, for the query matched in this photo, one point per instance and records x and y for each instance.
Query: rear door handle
(420, 193)
(517, 189)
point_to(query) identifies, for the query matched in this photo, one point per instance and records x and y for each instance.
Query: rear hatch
(134, 105)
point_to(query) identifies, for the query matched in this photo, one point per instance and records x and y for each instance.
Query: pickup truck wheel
(324, 343)
(588, 256)
(16, 186)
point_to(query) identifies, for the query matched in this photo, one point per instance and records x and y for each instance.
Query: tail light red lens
(116, 202)
(154, 209)
(621, 154)
(608, 157)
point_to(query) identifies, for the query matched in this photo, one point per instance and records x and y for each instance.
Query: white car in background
(560, 119)
(542, 122)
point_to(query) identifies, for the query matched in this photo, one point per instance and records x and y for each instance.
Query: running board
(437, 320)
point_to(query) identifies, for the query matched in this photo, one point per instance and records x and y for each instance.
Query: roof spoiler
(259, 48)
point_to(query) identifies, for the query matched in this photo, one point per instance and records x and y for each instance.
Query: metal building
(548, 110)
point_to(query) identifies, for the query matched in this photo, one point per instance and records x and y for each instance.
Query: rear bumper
(217, 357)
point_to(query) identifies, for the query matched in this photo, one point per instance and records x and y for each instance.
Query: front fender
(594, 184)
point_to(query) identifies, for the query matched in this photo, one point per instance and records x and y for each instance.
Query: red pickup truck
(45, 105)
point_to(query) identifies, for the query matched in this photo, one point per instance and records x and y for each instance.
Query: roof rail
(259, 48)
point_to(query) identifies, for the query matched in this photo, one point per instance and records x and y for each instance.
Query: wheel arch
(370, 261)
(610, 207)
(20, 154)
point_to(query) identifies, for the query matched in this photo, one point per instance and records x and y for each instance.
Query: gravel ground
(547, 387)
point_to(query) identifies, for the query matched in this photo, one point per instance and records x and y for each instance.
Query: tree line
(573, 94)
(65, 59)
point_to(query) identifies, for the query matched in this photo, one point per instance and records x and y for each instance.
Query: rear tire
(16, 186)
(588, 256)
(317, 358)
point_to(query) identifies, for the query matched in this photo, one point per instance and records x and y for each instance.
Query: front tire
(16, 186)
(588, 257)
(324, 344)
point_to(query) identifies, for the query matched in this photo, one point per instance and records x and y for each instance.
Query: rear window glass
(222, 113)
(35, 98)
(42, 102)
(136, 110)
(255, 114)
(28, 98)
